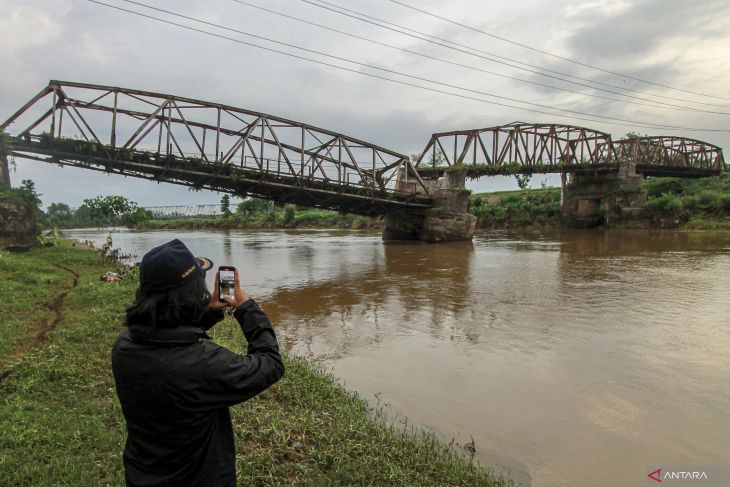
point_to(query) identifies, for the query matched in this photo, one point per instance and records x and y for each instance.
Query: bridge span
(205, 145)
(523, 148)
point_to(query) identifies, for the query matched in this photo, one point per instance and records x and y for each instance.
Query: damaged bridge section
(205, 145)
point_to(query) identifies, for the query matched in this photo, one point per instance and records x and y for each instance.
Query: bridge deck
(198, 174)
(474, 171)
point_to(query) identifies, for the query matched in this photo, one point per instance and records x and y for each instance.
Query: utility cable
(546, 53)
(405, 83)
(450, 45)
(391, 71)
(656, 104)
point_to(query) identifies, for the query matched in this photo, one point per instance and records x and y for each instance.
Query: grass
(287, 217)
(702, 203)
(62, 424)
(530, 208)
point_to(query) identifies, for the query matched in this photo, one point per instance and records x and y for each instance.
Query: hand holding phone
(226, 283)
(228, 290)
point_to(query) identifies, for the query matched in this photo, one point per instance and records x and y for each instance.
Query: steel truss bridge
(212, 146)
(183, 211)
(541, 148)
(206, 145)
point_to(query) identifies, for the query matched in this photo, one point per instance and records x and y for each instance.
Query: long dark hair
(184, 305)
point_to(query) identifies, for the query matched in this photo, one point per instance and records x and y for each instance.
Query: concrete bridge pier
(610, 199)
(447, 221)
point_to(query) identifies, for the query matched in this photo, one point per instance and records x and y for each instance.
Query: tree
(289, 213)
(252, 206)
(4, 167)
(115, 208)
(27, 187)
(226, 205)
(139, 217)
(434, 159)
(523, 180)
(59, 215)
(111, 206)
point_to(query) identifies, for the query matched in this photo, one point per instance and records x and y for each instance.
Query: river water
(571, 359)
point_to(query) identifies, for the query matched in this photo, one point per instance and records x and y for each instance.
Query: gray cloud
(673, 42)
(635, 32)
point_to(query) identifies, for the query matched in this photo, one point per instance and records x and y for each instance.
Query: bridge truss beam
(210, 145)
(528, 148)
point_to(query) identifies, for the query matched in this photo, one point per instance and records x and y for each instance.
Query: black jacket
(175, 388)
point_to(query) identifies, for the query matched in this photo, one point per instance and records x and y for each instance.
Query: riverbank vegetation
(62, 424)
(702, 203)
(523, 208)
(257, 213)
(690, 203)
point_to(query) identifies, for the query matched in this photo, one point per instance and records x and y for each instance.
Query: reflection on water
(574, 358)
(348, 307)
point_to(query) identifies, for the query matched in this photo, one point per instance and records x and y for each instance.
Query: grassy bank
(690, 203)
(62, 425)
(274, 217)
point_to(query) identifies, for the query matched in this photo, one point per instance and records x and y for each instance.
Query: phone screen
(227, 283)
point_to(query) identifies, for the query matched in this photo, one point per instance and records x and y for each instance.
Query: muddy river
(571, 359)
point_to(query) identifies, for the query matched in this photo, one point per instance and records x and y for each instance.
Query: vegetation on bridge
(62, 424)
(476, 171)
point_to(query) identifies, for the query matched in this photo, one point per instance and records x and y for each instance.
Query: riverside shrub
(667, 205)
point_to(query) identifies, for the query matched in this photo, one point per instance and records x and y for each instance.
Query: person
(175, 385)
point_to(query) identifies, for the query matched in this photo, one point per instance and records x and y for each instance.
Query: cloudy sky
(680, 44)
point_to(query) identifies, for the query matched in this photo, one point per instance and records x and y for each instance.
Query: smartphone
(226, 281)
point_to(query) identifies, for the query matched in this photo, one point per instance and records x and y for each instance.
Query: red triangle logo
(656, 475)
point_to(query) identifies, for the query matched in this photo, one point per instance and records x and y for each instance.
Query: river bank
(309, 218)
(62, 423)
(700, 204)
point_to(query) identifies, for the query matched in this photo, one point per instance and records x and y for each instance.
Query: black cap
(170, 265)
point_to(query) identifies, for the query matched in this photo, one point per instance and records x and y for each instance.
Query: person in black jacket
(174, 385)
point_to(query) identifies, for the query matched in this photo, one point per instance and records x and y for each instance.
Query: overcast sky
(681, 44)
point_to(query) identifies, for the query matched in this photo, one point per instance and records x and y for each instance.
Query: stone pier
(608, 199)
(447, 221)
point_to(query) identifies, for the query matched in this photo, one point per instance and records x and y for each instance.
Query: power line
(429, 38)
(391, 71)
(563, 58)
(657, 104)
(401, 82)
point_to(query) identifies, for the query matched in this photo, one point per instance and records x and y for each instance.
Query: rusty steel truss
(526, 148)
(669, 155)
(209, 145)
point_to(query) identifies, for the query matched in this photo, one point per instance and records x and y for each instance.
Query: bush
(725, 204)
(289, 213)
(709, 201)
(666, 204)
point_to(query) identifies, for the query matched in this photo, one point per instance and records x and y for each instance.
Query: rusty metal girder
(671, 151)
(95, 125)
(526, 144)
(561, 148)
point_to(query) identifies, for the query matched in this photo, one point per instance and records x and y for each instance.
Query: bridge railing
(183, 211)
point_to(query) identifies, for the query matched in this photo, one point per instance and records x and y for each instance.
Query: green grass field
(62, 425)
